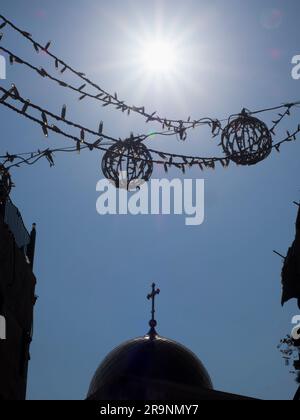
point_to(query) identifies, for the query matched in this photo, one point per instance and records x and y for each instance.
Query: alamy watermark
(296, 330)
(2, 68)
(2, 328)
(157, 197)
(296, 68)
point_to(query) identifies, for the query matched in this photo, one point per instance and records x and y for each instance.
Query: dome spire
(152, 333)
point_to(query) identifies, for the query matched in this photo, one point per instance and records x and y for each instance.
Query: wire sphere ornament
(246, 140)
(5, 183)
(128, 164)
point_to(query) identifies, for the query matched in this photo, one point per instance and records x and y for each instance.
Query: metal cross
(152, 297)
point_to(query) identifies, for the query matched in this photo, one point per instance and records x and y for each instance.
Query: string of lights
(215, 125)
(120, 151)
(103, 96)
(245, 140)
(30, 158)
(14, 94)
(179, 129)
(81, 140)
(178, 126)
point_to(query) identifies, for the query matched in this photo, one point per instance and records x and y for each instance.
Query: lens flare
(158, 57)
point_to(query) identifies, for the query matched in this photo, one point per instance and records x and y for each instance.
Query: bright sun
(158, 57)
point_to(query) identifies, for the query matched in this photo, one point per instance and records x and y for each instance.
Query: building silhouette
(153, 368)
(291, 269)
(291, 286)
(17, 299)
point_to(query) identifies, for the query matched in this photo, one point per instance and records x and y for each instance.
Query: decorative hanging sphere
(246, 140)
(5, 183)
(128, 164)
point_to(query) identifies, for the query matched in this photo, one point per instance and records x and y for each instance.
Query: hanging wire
(166, 159)
(179, 126)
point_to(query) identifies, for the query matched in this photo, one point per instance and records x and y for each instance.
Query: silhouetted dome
(149, 367)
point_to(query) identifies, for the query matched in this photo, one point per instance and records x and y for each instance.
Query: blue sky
(220, 281)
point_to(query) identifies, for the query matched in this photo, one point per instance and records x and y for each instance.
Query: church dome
(150, 367)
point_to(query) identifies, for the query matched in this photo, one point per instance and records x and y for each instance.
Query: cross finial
(153, 322)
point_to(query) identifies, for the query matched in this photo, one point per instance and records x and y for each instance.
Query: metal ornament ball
(127, 164)
(246, 140)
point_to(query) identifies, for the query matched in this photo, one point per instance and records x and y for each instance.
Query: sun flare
(158, 57)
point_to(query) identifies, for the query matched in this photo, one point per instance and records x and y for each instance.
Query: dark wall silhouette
(291, 269)
(17, 299)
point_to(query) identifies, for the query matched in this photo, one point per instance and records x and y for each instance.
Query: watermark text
(296, 68)
(296, 329)
(2, 68)
(2, 328)
(158, 197)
